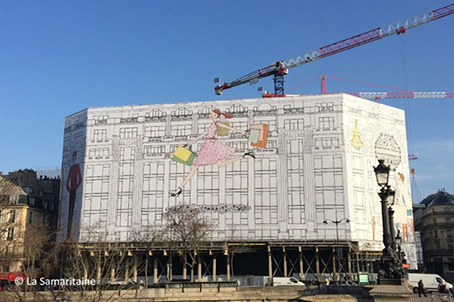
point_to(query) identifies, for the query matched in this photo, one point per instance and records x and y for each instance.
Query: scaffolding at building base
(310, 261)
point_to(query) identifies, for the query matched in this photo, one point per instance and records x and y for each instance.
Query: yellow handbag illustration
(184, 155)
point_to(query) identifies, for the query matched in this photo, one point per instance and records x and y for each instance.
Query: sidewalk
(432, 297)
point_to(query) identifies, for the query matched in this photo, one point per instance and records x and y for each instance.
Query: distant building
(49, 172)
(436, 224)
(417, 215)
(24, 198)
(317, 165)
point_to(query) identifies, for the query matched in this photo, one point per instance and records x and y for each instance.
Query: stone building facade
(24, 199)
(436, 224)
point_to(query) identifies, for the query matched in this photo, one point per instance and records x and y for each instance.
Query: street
(416, 298)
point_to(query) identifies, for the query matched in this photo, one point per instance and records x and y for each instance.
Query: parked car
(278, 281)
(430, 281)
(122, 284)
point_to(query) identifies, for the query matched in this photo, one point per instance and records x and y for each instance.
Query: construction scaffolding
(315, 261)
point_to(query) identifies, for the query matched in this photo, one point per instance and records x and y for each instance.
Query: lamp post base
(391, 271)
(385, 281)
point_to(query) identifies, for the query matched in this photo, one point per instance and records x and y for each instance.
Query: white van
(430, 281)
(277, 281)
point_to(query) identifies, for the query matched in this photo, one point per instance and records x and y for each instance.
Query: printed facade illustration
(309, 171)
(72, 184)
(356, 139)
(212, 151)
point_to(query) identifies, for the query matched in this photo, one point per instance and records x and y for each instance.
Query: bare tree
(38, 249)
(105, 267)
(33, 246)
(146, 235)
(92, 271)
(185, 228)
(147, 238)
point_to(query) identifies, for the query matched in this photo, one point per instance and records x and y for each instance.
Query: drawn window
(324, 107)
(265, 109)
(181, 130)
(237, 108)
(203, 127)
(100, 134)
(160, 149)
(208, 185)
(101, 119)
(129, 132)
(155, 113)
(155, 131)
(266, 191)
(236, 183)
(326, 123)
(294, 124)
(129, 120)
(295, 181)
(326, 142)
(239, 125)
(205, 112)
(98, 152)
(182, 112)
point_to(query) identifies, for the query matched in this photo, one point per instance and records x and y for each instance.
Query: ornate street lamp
(336, 222)
(391, 270)
(382, 173)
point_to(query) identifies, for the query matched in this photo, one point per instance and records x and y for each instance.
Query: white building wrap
(317, 165)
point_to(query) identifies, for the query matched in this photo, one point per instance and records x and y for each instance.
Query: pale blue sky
(59, 57)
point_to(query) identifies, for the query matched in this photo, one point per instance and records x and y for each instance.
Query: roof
(10, 186)
(440, 198)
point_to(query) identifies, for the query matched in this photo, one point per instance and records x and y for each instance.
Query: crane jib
(280, 68)
(351, 42)
(443, 12)
(403, 95)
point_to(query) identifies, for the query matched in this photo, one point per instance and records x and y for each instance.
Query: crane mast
(280, 68)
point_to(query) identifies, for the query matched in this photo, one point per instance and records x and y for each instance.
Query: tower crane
(279, 69)
(404, 95)
(375, 96)
(408, 94)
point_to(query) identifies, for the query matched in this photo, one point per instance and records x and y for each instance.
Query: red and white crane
(407, 94)
(280, 68)
(393, 95)
(403, 95)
